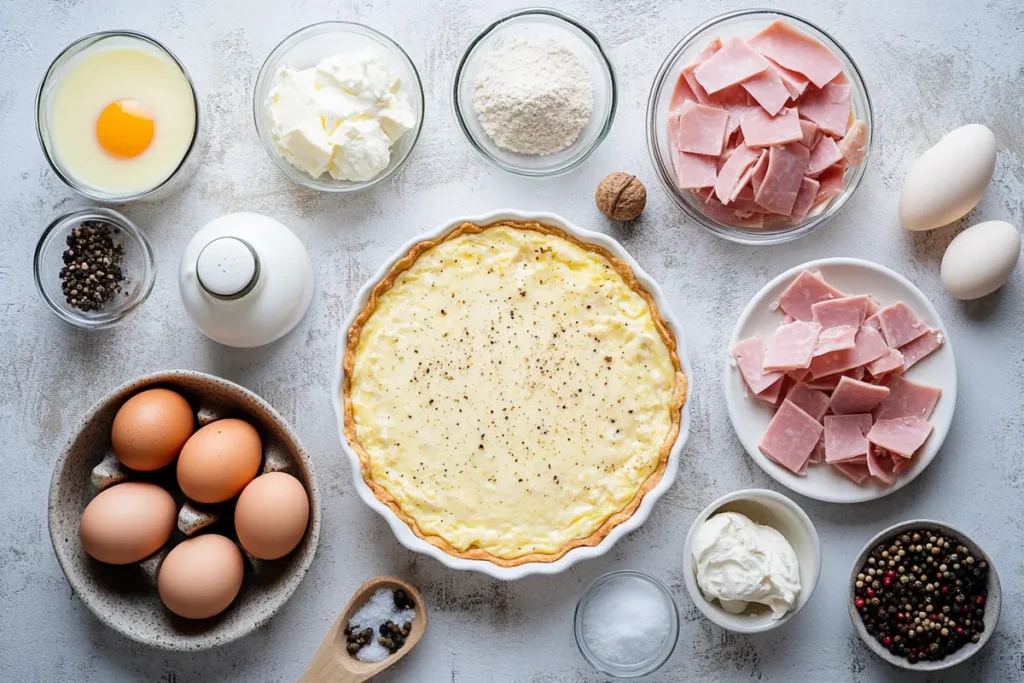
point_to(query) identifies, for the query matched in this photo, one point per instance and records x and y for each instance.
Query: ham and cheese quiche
(512, 392)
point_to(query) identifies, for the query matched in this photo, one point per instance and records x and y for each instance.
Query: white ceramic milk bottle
(245, 279)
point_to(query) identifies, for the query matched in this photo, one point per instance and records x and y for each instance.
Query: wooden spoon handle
(328, 664)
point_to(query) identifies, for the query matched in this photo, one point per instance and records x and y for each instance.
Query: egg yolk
(125, 129)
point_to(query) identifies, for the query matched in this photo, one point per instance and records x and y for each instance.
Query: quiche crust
(679, 393)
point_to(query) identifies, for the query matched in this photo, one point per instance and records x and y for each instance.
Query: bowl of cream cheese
(338, 106)
(752, 560)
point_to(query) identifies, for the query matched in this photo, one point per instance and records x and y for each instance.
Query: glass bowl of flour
(535, 92)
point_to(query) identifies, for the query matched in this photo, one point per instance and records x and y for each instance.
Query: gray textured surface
(931, 65)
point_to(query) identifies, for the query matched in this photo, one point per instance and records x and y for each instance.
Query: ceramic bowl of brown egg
(184, 511)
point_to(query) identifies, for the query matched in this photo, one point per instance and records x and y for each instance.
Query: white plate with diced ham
(840, 380)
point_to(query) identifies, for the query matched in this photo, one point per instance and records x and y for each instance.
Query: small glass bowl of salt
(627, 624)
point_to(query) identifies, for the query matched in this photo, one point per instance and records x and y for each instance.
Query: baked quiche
(511, 392)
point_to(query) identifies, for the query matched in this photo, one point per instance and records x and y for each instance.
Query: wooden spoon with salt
(333, 663)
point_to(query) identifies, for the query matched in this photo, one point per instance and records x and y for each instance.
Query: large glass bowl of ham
(759, 125)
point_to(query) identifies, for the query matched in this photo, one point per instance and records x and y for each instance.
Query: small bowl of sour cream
(752, 560)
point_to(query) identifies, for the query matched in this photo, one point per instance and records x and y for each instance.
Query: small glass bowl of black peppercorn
(924, 596)
(94, 268)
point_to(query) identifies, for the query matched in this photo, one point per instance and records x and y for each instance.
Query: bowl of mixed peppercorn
(924, 596)
(93, 268)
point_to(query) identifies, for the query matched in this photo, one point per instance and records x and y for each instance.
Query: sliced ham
(757, 172)
(810, 131)
(848, 311)
(791, 347)
(722, 213)
(680, 94)
(830, 183)
(828, 107)
(805, 291)
(768, 90)
(771, 394)
(890, 362)
(811, 401)
(694, 170)
(858, 473)
(869, 346)
(701, 129)
(749, 355)
(880, 467)
(854, 397)
(907, 399)
(791, 437)
(734, 63)
(854, 144)
(845, 437)
(900, 325)
(795, 83)
(728, 184)
(795, 50)
(761, 130)
(786, 165)
(709, 50)
(920, 347)
(818, 454)
(824, 154)
(901, 435)
(805, 198)
(836, 339)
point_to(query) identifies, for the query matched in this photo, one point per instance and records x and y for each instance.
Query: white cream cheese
(739, 561)
(339, 117)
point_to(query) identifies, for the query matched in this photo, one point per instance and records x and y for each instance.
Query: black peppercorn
(89, 285)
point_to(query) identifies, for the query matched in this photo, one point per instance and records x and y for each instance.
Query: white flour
(533, 96)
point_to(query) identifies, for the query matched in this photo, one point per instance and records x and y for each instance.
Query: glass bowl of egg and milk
(118, 118)
(338, 106)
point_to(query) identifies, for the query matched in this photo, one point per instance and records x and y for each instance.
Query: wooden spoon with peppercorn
(334, 664)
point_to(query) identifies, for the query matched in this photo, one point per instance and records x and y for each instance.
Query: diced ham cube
(836, 339)
(900, 325)
(805, 199)
(791, 347)
(901, 435)
(921, 347)
(858, 473)
(728, 183)
(734, 63)
(805, 291)
(848, 311)
(907, 399)
(880, 467)
(694, 170)
(828, 107)
(890, 362)
(853, 397)
(845, 437)
(781, 184)
(749, 355)
(791, 437)
(811, 401)
(824, 154)
(762, 130)
(768, 90)
(794, 49)
(700, 129)
(795, 83)
(869, 346)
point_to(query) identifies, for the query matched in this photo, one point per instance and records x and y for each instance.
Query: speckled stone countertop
(931, 65)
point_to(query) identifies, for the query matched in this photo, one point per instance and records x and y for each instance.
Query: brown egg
(127, 523)
(219, 460)
(271, 515)
(150, 429)
(200, 577)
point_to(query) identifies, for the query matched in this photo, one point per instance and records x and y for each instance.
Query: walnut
(621, 196)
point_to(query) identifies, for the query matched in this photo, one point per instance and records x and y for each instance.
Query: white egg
(948, 180)
(980, 259)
